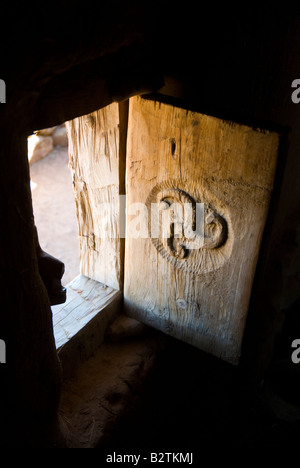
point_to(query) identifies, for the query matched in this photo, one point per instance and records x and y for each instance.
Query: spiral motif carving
(177, 247)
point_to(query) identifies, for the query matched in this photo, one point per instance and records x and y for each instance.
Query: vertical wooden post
(97, 143)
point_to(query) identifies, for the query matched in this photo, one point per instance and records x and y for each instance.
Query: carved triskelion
(182, 238)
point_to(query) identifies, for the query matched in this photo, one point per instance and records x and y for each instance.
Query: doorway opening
(55, 217)
(52, 197)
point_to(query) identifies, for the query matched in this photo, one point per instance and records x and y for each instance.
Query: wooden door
(180, 166)
(200, 294)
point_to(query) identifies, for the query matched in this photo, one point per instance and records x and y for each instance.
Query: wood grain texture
(80, 323)
(98, 177)
(86, 299)
(199, 296)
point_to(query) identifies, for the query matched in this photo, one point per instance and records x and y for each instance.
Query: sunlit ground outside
(54, 209)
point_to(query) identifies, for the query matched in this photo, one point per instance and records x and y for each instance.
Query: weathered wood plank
(197, 295)
(85, 299)
(96, 160)
(81, 322)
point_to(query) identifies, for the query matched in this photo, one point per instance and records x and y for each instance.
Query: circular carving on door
(188, 231)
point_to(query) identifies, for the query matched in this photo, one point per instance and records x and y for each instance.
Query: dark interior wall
(66, 59)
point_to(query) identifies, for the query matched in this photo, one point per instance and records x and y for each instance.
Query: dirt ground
(54, 210)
